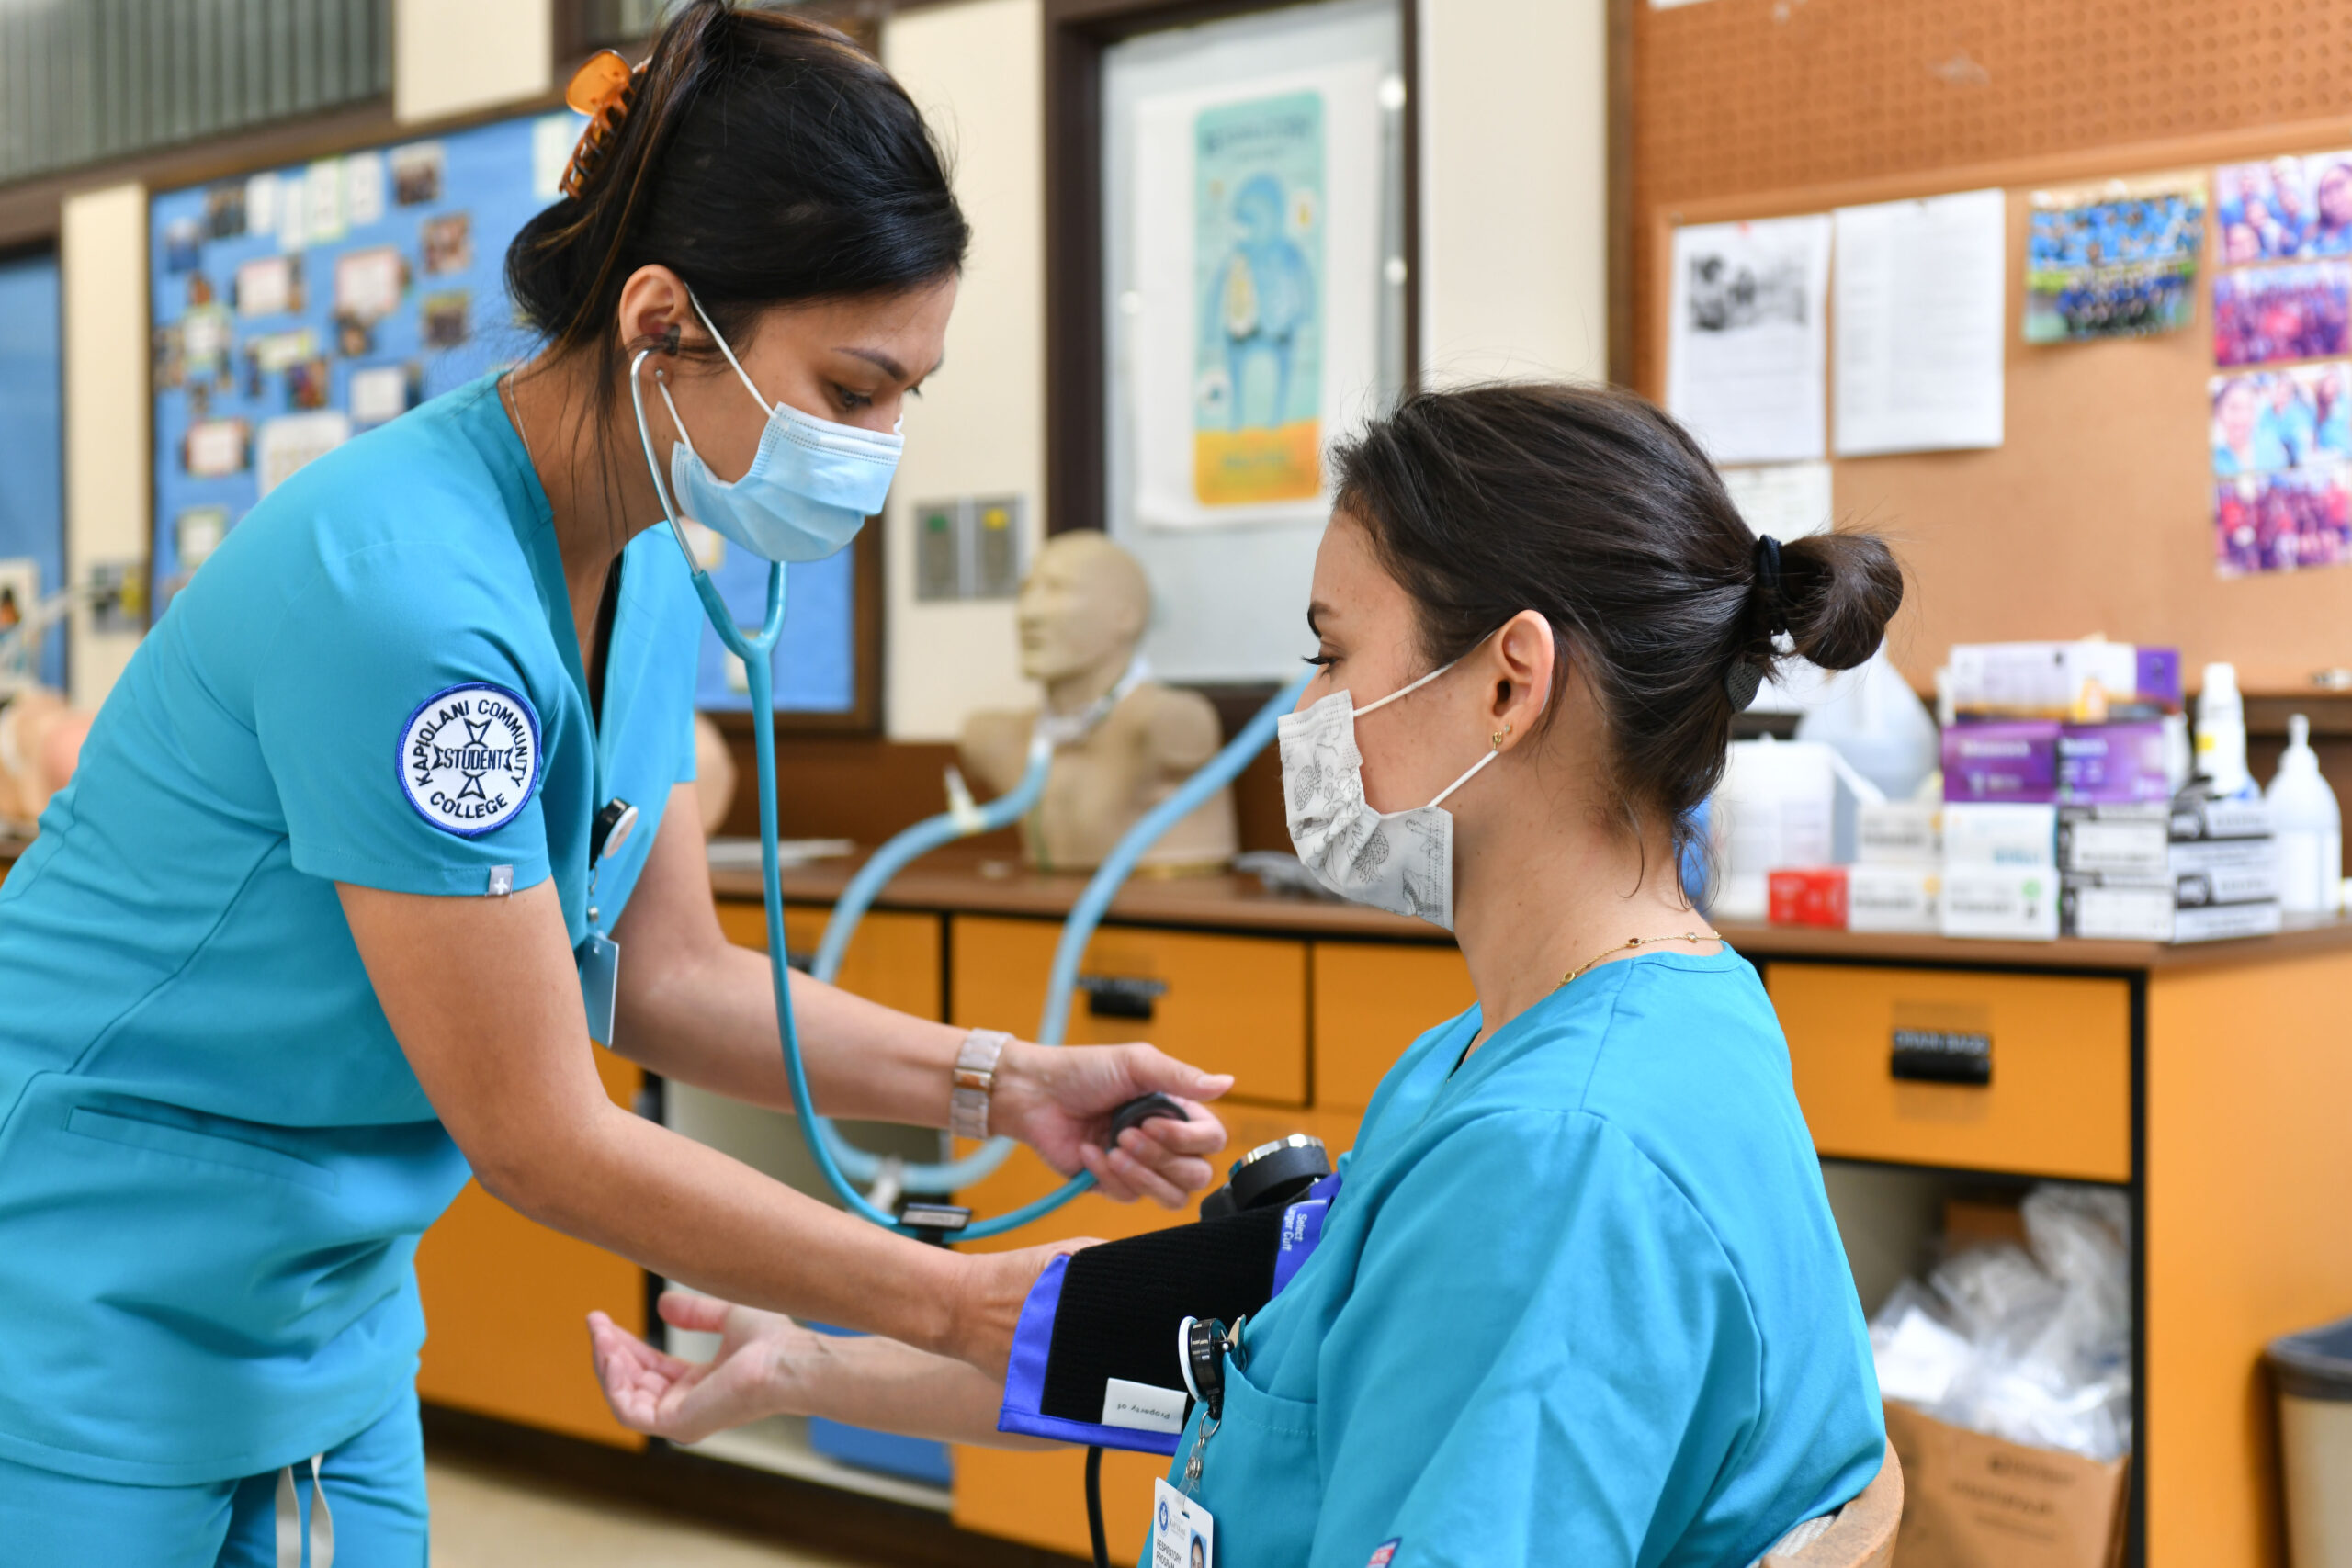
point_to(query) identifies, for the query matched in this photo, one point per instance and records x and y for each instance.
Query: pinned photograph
(261, 204)
(354, 338)
(2286, 522)
(196, 533)
(416, 172)
(308, 384)
(216, 448)
(2280, 419)
(289, 441)
(368, 284)
(445, 320)
(274, 352)
(448, 244)
(268, 286)
(205, 336)
(2114, 260)
(199, 290)
(323, 216)
(171, 363)
(2331, 182)
(2284, 312)
(362, 189)
(382, 393)
(224, 209)
(183, 245)
(2265, 211)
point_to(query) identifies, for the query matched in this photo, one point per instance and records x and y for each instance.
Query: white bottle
(2309, 828)
(2220, 733)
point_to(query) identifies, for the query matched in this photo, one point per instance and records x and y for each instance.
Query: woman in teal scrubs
(1578, 1297)
(295, 951)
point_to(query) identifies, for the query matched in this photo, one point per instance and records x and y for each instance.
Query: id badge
(1183, 1534)
(600, 973)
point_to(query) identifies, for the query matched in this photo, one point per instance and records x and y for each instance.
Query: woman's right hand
(761, 1357)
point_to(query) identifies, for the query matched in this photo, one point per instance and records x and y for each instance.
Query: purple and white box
(2113, 764)
(2015, 761)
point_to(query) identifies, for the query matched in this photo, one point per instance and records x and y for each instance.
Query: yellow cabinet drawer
(1040, 1499)
(1372, 1000)
(894, 958)
(1226, 1004)
(2058, 1101)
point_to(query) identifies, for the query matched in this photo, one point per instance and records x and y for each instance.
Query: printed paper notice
(1787, 501)
(1921, 289)
(1748, 344)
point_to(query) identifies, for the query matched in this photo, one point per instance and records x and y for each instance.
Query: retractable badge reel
(600, 955)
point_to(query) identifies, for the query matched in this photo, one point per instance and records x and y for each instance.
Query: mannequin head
(1082, 608)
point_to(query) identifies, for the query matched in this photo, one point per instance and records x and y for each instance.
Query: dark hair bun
(1838, 591)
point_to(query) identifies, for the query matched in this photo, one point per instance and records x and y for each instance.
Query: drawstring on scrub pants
(289, 1522)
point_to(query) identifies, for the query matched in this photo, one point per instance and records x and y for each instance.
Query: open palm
(653, 1392)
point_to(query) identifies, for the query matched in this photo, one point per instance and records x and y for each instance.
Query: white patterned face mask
(1397, 861)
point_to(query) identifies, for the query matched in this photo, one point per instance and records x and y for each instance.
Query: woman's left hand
(1058, 1101)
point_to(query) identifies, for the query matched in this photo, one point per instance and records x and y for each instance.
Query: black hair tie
(1746, 675)
(1768, 582)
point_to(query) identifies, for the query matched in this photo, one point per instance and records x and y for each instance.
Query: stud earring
(1501, 735)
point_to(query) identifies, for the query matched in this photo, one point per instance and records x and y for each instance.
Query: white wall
(102, 261)
(1514, 188)
(980, 426)
(453, 56)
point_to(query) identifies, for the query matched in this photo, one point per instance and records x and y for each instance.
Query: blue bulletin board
(297, 308)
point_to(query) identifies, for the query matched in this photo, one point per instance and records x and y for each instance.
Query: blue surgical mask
(810, 487)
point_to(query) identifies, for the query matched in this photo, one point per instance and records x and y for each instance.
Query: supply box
(2198, 870)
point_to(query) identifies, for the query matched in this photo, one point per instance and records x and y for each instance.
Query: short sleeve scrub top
(1579, 1299)
(214, 1160)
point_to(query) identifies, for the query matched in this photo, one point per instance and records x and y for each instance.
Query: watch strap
(975, 1082)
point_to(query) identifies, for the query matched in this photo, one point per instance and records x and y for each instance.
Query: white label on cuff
(1141, 1406)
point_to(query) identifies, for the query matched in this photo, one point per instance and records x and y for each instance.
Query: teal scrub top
(1581, 1302)
(214, 1160)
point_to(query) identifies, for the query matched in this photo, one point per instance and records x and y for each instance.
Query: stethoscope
(826, 1147)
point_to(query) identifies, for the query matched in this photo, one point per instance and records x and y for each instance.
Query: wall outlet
(968, 549)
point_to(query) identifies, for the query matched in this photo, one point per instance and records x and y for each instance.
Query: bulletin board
(297, 308)
(2094, 514)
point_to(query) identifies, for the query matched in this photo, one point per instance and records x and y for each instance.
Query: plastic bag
(2031, 1345)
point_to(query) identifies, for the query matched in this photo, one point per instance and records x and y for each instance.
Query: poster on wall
(1920, 298)
(1256, 234)
(300, 308)
(1748, 340)
(2117, 259)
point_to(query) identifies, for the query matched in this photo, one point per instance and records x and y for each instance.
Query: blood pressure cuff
(1095, 1359)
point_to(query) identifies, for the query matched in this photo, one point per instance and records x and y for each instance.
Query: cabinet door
(1372, 999)
(1041, 1497)
(2054, 1052)
(893, 959)
(1226, 1004)
(506, 1304)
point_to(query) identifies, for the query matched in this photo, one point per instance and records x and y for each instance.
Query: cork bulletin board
(2094, 514)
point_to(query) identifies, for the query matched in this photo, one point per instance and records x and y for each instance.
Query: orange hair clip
(603, 89)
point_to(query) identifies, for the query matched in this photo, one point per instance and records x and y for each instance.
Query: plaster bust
(1081, 612)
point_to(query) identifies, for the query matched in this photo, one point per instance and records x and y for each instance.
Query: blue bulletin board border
(297, 306)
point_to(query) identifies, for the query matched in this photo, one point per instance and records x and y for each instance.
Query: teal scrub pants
(375, 1487)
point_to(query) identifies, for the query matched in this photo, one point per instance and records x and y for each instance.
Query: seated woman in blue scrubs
(295, 953)
(1579, 1298)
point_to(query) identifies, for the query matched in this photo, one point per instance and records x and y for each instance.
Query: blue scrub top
(214, 1160)
(1581, 1302)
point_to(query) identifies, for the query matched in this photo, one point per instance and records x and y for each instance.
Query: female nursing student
(1579, 1298)
(296, 951)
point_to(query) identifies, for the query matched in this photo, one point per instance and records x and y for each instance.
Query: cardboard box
(1807, 895)
(2118, 763)
(1899, 832)
(1999, 902)
(2198, 817)
(2116, 841)
(2088, 681)
(2106, 911)
(1893, 897)
(2000, 833)
(2000, 762)
(1973, 1500)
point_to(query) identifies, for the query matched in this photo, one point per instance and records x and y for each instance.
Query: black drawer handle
(1943, 1055)
(1121, 995)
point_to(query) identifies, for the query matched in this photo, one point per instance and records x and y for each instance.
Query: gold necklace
(1628, 945)
(515, 406)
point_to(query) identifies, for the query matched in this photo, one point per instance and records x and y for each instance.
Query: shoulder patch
(1385, 1552)
(469, 756)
